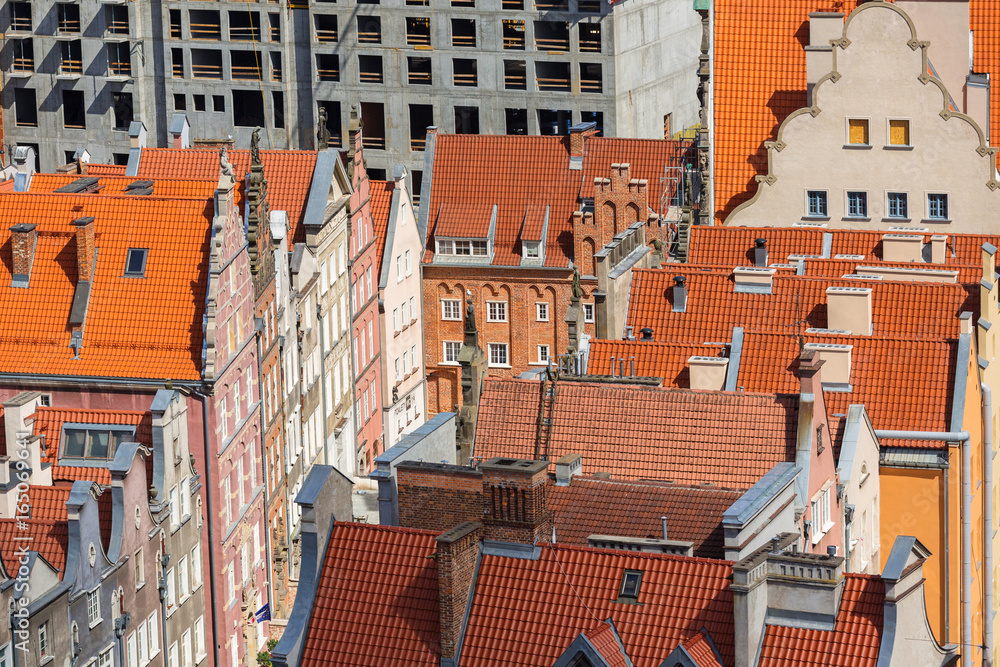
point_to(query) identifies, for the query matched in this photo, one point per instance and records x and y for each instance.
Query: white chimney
(849, 309)
(836, 362)
(568, 467)
(708, 372)
(902, 247)
(939, 245)
(753, 279)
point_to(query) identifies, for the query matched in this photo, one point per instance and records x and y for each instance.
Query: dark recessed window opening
(326, 28)
(244, 26)
(590, 37)
(218, 103)
(513, 34)
(515, 75)
(553, 76)
(175, 24)
(246, 65)
(327, 67)
(74, 109)
(279, 108)
(20, 16)
(369, 30)
(595, 117)
(517, 121)
(466, 120)
(370, 69)
(205, 24)
(25, 111)
(421, 117)
(463, 33)
(248, 108)
(333, 121)
(466, 72)
(206, 64)
(120, 158)
(552, 121)
(591, 78)
(373, 117)
(551, 35)
(69, 17)
(199, 102)
(418, 31)
(180, 102)
(418, 71)
(122, 103)
(631, 581)
(135, 262)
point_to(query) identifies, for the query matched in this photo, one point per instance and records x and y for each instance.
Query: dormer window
(93, 442)
(462, 247)
(531, 249)
(629, 590)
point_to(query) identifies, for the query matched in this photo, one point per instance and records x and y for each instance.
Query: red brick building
(509, 219)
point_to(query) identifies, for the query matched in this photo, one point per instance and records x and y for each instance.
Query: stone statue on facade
(255, 146)
(322, 132)
(224, 163)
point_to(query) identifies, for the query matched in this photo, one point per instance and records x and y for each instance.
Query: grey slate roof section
(511, 550)
(313, 486)
(295, 263)
(319, 189)
(135, 128)
(177, 121)
(907, 457)
(896, 563)
(961, 377)
(134, 157)
(760, 494)
(735, 355)
(827, 244)
(124, 456)
(800, 619)
(390, 236)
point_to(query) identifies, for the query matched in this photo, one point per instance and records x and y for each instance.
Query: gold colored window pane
(899, 132)
(858, 130)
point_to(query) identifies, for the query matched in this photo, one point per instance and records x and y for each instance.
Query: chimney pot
(760, 253)
(680, 294)
(663, 519)
(831, 550)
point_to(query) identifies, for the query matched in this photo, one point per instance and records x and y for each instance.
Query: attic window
(631, 581)
(531, 250)
(135, 262)
(93, 441)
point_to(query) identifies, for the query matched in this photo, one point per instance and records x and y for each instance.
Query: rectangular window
(409, 270)
(413, 308)
(140, 574)
(406, 361)
(413, 356)
(154, 636)
(25, 109)
(543, 354)
(182, 578)
(175, 508)
(496, 311)
(199, 638)
(196, 566)
(451, 350)
(398, 367)
(817, 203)
(899, 132)
(857, 204)
(94, 607)
(172, 657)
(403, 309)
(399, 268)
(451, 309)
(857, 131)
(104, 660)
(498, 354)
(542, 311)
(531, 250)
(395, 319)
(171, 597)
(937, 206)
(44, 650)
(588, 312)
(897, 205)
(231, 581)
(186, 649)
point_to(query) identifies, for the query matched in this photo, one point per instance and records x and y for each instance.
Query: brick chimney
(23, 238)
(578, 135)
(437, 496)
(514, 500)
(85, 251)
(457, 551)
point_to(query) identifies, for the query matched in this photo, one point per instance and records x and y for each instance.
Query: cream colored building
(894, 134)
(401, 328)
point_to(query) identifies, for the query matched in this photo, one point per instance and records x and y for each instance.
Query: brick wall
(457, 551)
(439, 498)
(619, 201)
(514, 503)
(521, 288)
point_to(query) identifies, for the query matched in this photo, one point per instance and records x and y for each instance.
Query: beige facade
(859, 475)
(404, 399)
(884, 143)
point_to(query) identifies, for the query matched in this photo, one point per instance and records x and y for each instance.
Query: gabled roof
(899, 309)
(288, 173)
(751, 100)
(147, 327)
(638, 432)
(167, 188)
(590, 506)
(854, 641)
(49, 538)
(381, 203)
(602, 638)
(700, 648)
(473, 173)
(377, 599)
(529, 611)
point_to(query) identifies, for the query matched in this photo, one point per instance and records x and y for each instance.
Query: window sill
(96, 623)
(936, 221)
(396, 333)
(816, 218)
(496, 321)
(46, 660)
(449, 363)
(545, 320)
(817, 537)
(451, 319)
(891, 219)
(897, 147)
(858, 147)
(499, 366)
(538, 363)
(856, 218)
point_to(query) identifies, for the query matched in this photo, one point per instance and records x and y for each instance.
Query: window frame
(444, 310)
(143, 253)
(889, 205)
(498, 347)
(888, 133)
(94, 607)
(947, 207)
(444, 352)
(816, 213)
(588, 308)
(868, 133)
(631, 585)
(541, 311)
(847, 205)
(538, 351)
(495, 314)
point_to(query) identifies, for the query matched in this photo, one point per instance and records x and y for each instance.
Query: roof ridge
(658, 483)
(633, 554)
(375, 527)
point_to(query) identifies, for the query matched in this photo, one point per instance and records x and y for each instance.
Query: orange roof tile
(289, 176)
(106, 169)
(899, 309)
(854, 641)
(141, 328)
(381, 202)
(634, 509)
(637, 432)
(651, 358)
(49, 538)
(750, 107)
(167, 188)
(602, 638)
(472, 173)
(529, 611)
(700, 648)
(100, 476)
(48, 503)
(377, 599)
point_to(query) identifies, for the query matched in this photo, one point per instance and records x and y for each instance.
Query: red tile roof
(854, 641)
(377, 599)
(899, 309)
(49, 423)
(904, 384)
(602, 637)
(168, 188)
(700, 648)
(106, 169)
(381, 202)
(652, 358)
(48, 503)
(766, 39)
(529, 611)
(138, 328)
(289, 176)
(518, 174)
(49, 538)
(643, 432)
(634, 509)
(733, 246)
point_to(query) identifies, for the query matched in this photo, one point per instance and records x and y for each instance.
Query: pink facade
(366, 337)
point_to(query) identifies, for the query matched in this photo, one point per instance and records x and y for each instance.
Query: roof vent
(139, 188)
(849, 308)
(760, 253)
(647, 333)
(680, 294)
(753, 279)
(708, 372)
(79, 186)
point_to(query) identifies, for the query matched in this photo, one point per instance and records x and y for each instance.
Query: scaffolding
(677, 197)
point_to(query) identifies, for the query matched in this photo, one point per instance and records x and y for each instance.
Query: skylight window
(631, 581)
(135, 262)
(94, 442)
